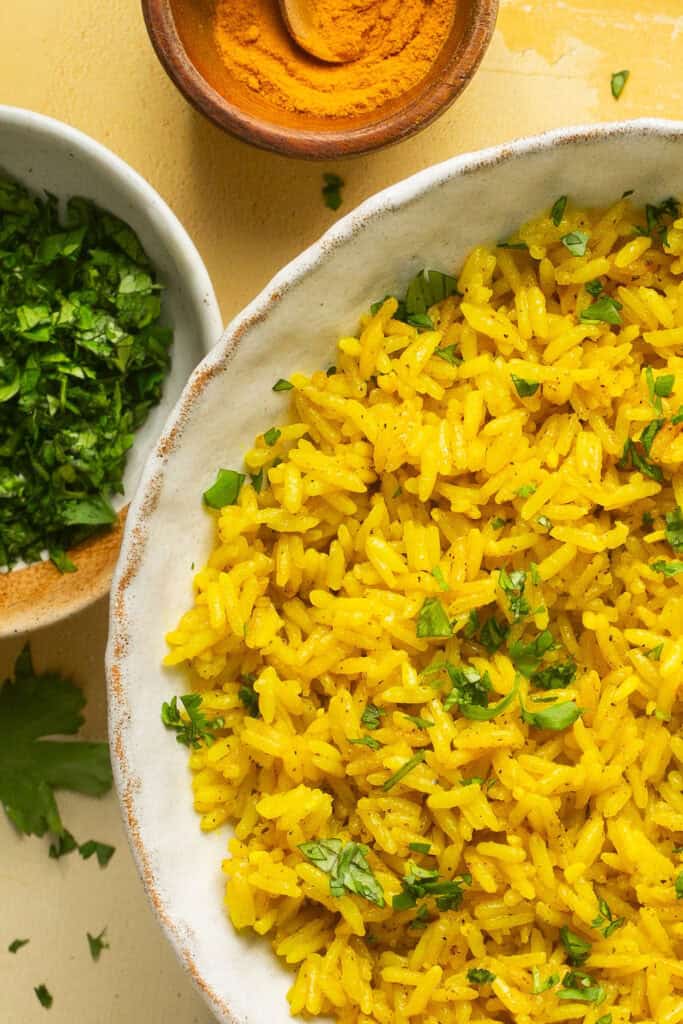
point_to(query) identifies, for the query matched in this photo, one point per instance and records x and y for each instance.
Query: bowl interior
(45, 155)
(430, 220)
(183, 34)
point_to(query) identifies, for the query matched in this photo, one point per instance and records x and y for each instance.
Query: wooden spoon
(304, 27)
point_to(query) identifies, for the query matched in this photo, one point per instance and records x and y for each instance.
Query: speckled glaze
(431, 219)
(45, 154)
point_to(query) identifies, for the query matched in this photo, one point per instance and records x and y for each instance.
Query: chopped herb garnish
(605, 921)
(449, 355)
(404, 770)
(526, 490)
(425, 290)
(225, 489)
(65, 844)
(347, 866)
(282, 385)
(578, 949)
(664, 384)
(194, 730)
(432, 620)
(271, 436)
(257, 480)
(524, 388)
(605, 310)
(678, 886)
(594, 288)
(421, 919)
(44, 997)
(32, 707)
(371, 717)
(470, 686)
(558, 717)
(512, 584)
(248, 695)
(555, 677)
(474, 780)
(17, 944)
(492, 635)
(512, 245)
(646, 521)
(439, 577)
(480, 976)
(84, 358)
(580, 987)
(420, 847)
(655, 653)
(631, 458)
(331, 190)
(527, 657)
(472, 625)
(421, 882)
(498, 523)
(667, 568)
(557, 212)
(618, 81)
(102, 851)
(605, 1019)
(541, 985)
(576, 242)
(367, 741)
(96, 944)
(649, 434)
(419, 723)
(674, 528)
(678, 418)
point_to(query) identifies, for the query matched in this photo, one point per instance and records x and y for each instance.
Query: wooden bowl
(47, 155)
(181, 33)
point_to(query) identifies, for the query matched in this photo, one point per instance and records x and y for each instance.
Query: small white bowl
(46, 155)
(432, 220)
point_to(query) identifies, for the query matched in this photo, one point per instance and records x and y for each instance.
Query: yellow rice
(401, 462)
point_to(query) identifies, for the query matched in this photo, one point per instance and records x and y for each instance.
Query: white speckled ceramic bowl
(432, 219)
(47, 155)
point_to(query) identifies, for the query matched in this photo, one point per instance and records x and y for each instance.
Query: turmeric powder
(400, 41)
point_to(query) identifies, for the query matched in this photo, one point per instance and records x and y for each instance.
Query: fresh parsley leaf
(492, 635)
(605, 1019)
(557, 717)
(420, 320)
(449, 355)
(420, 847)
(367, 741)
(425, 290)
(432, 620)
(225, 489)
(594, 288)
(65, 844)
(372, 717)
(421, 883)
(61, 560)
(96, 944)
(576, 242)
(632, 458)
(578, 949)
(667, 568)
(513, 584)
(605, 309)
(331, 190)
(678, 418)
(678, 886)
(618, 81)
(44, 997)
(419, 723)
(579, 987)
(655, 653)
(347, 866)
(17, 944)
(480, 976)
(674, 529)
(646, 521)
(257, 480)
(282, 385)
(526, 657)
(271, 436)
(404, 770)
(541, 985)
(649, 434)
(557, 211)
(526, 490)
(472, 624)
(555, 677)
(102, 851)
(485, 714)
(248, 695)
(605, 921)
(524, 388)
(664, 384)
(195, 728)
(421, 919)
(439, 577)
(469, 686)
(33, 706)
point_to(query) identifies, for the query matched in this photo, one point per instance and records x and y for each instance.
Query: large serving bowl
(432, 220)
(47, 155)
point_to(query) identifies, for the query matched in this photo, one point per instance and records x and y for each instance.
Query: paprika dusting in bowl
(404, 61)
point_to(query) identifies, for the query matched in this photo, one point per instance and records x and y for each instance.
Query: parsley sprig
(194, 730)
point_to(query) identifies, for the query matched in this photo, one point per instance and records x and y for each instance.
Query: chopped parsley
(605, 309)
(421, 883)
(655, 653)
(526, 657)
(579, 987)
(257, 480)
(331, 190)
(605, 1019)
(469, 686)
(102, 851)
(480, 976)
(492, 635)
(512, 245)
(432, 620)
(271, 436)
(420, 847)
(524, 388)
(347, 866)
(225, 489)
(372, 716)
(43, 996)
(594, 288)
(248, 695)
(541, 985)
(449, 355)
(34, 706)
(196, 728)
(282, 385)
(678, 886)
(631, 458)
(667, 568)
(96, 944)
(618, 81)
(404, 770)
(526, 490)
(439, 577)
(576, 242)
(17, 944)
(498, 523)
(649, 433)
(674, 529)
(425, 290)
(658, 387)
(513, 584)
(367, 741)
(84, 358)
(419, 723)
(557, 211)
(557, 717)
(605, 921)
(578, 949)
(421, 919)
(554, 677)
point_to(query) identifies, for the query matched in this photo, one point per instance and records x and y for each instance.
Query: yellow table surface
(88, 62)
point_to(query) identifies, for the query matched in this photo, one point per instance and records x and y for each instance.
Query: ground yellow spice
(401, 39)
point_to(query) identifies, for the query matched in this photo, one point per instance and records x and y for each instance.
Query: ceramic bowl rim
(136, 537)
